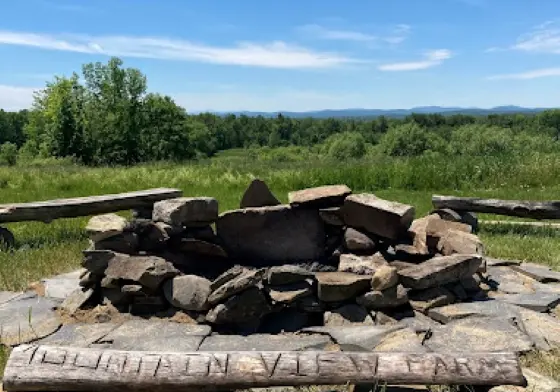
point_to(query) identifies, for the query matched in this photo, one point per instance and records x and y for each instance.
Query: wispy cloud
(15, 97)
(396, 35)
(277, 54)
(534, 74)
(544, 38)
(431, 59)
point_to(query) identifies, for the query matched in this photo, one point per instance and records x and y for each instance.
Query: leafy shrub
(481, 140)
(409, 140)
(346, 145)
(8, 154)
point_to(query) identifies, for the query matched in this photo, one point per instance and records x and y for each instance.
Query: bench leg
(7, 239)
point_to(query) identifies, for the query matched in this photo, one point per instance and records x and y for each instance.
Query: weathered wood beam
(545, 225)
(44, 368)
(520, 208)
(46, 211)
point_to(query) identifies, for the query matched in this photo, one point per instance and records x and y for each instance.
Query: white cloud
(397, 34)
(535, 74)
(16, 98)
(431, 59)
(277, 54)
(544, 38)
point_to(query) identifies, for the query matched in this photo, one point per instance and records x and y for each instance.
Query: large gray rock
(427, 231)
(389, 298)
(289, 293)
(456, 241)
(356, 337)
(61, 286)
(285, 274)
(279, 234)
(439, 271)
(361, 265)
(79, 335)
(153, 335)
(249, 305)
(341, 286)
(27, 318)
(539, 301)
(350, 314)
(244, 281)
(507, 280)
(377, 216)
(126, 242)
(186, 211)
(484, 334)
(76, 300)
(425, 300)
(105, 226)
(264, 342)
(188, 292)
(258, 195)
(320, 197)
(542, 328)
(490, 308)
(538, 272)
(149, 271)
(358, 242)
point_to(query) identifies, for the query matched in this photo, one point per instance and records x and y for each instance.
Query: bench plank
(47, 211)
(45, 368)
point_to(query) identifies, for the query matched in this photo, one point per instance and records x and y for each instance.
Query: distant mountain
(361, 113)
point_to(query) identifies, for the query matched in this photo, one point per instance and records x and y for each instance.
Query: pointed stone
(258, 195)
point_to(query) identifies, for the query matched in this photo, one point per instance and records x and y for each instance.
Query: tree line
(105, 116)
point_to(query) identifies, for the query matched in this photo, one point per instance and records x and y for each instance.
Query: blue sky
(294, 55)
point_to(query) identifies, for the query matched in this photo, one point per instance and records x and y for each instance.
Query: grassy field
(44, 250)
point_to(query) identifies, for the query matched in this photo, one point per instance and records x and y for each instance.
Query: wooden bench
(44, 368)
(47, 211)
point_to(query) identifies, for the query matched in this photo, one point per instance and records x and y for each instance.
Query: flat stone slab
(79, 335)
(153, 335)
(27, 318)
(265, 342)
(439, 271)
(479, 334)
(538, 272)
(419, 323)
(539, 301)
(356, 338)
(320, 197)
(341, 286)
(490, 308)
(362, 265)
(542, 328)
(61, 286)
(402, 341)
(506, 280)
(7, 296)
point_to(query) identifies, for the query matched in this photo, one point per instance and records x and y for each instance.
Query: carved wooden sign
(44, 368)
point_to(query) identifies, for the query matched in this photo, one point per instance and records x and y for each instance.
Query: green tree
(8, 153)
(410, 139)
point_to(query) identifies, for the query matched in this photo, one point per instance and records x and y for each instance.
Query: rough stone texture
(358, 242)
(251, 304)
(79, 335)
(400, 265)
(423, 301)
(186, 211)
(455, 241)
(153, 335)
(490, 308)
(188, 292)
(390, 298)
(258, 195)
(76, 300)
(264, 342)
(419, 322)
(361, 265)
(384, 278)
(401, 341)
(228, 275)
(427, 231)
(97, 261)
(27, 318)
(542, 328)
(61, 286)
(272, 234)
(539, 301)
(122, 243)
(153, 236)
(356, 337)
(350, 314)
(105, 226)
(286, 274)
(320, 197)
(377, 216)
(289, 293)
(509, 281)
(485, 334)
(149, 271)
(236, 285)
(204, 233)
(439, 271)
(541, 273)
(341, 286)
(407, 252)
(205, 248)
(332, 216)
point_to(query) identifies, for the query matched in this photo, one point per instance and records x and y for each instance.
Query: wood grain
(519, 208)
(47, 211)
(44, 368)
